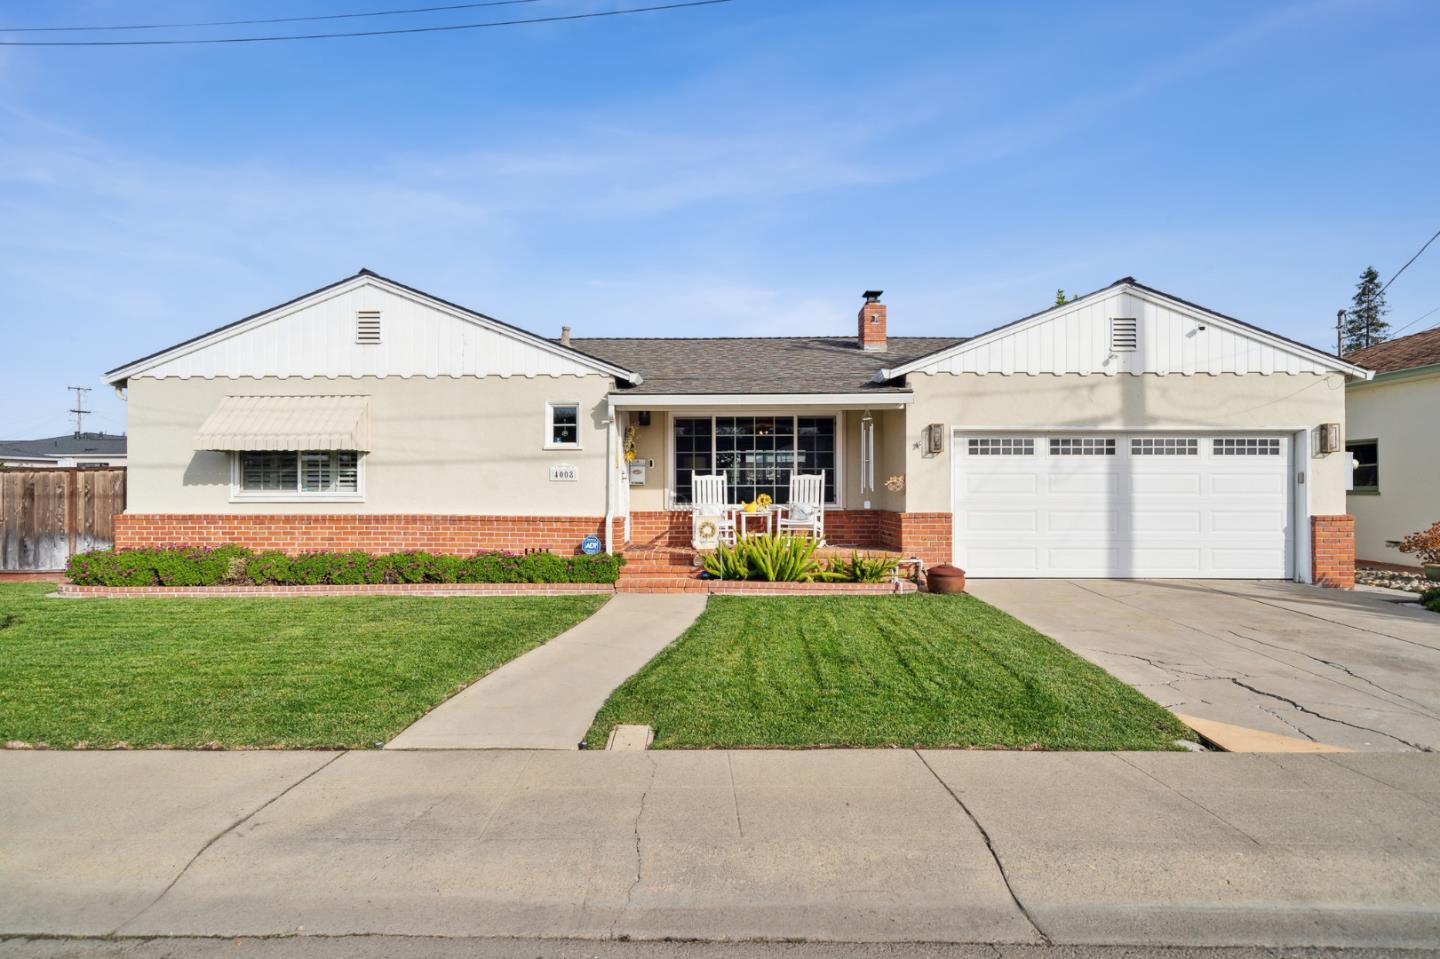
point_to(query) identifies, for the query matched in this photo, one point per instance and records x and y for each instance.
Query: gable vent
(367, 326)
(1124, 335)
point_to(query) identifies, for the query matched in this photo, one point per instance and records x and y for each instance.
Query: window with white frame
(1000, 446)
(1081, 446)
(1164, 446)
(282, 474)
(1246, 446)
(757, 454)
(562, 426)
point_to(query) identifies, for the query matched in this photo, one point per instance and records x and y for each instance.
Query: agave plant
(863, 568)
(728, 562)
(783, 559)
(771, 557)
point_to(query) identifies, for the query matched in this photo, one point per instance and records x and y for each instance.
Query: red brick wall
(843, 527)
(1332, 551)
(926, 535)
(382, 533)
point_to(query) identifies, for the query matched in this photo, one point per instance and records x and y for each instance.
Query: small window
(1366, 454)
(1246, 446)
(1164, 446)
(1124, 334)
(1001, 446)
(1081, 446)
(367, 327)
(562, 430)
(288, 473)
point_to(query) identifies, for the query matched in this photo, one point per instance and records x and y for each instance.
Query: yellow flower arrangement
(763, 501)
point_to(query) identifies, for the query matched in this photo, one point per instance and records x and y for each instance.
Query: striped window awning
(287, 423)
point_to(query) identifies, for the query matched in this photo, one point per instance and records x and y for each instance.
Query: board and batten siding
(316, 337)
(1172, 338)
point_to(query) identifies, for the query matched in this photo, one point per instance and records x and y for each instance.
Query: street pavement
(879, 846)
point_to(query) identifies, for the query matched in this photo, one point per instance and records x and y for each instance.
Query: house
(1127, 433)
(72, 449)
(1392, 437)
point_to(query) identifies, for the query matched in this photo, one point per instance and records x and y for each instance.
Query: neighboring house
(72, 449)
(1392, 434)
(1125, 433)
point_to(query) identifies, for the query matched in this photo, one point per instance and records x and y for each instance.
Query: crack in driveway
(1330, 719)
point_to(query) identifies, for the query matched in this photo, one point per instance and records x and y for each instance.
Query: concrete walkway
(829, 845)
(547, 698)
(1351, 669)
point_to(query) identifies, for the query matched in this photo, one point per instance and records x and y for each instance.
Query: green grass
(310, 672)
(916, 670)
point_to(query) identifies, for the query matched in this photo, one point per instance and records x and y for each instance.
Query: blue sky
(745, 168)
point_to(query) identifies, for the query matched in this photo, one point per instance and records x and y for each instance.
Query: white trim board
(1175, 337)
(562, 359)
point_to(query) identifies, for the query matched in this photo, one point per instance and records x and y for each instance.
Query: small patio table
(744, 519)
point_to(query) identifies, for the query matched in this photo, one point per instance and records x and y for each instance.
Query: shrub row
(235, 565)
(1430, 599)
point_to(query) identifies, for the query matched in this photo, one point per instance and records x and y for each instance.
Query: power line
(1408, 262)
(359, 33)
(1416, 320)
(234, 23)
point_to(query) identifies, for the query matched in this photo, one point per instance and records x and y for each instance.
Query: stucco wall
(445, 445)
(1204, 402)
(1401, 415)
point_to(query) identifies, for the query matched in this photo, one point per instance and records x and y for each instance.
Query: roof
(119, 374)
(85, 444)
(1294, 346)
(765, 364)
(1405, 353)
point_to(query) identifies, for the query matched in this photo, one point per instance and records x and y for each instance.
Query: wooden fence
(48, 515)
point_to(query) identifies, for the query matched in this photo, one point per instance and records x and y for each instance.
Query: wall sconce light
(1329, 438)
(935, 439)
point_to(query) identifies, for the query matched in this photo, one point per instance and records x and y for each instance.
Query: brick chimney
(872, 322)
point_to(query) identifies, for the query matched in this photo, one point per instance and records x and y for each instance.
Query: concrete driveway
(1352, 669)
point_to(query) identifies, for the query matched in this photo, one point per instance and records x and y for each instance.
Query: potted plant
(1426, 547)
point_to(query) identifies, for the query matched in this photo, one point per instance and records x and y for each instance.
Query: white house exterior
(1126, 433)
(1392, 436)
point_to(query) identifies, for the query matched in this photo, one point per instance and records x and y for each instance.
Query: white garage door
(1123, 505)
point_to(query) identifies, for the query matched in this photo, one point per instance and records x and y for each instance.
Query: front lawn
(917, 670)
(304, 672)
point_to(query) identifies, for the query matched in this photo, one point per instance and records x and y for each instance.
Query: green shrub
(542, 568)
(1430, 599)
(599, 568)
(266, 569)
(185, 566)
(178, 566)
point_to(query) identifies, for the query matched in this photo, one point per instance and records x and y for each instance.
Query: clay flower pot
(945, 579)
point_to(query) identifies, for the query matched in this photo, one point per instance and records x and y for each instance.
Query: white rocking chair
(805, 512)
(710, 503)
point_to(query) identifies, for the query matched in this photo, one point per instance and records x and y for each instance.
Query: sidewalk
(844, 846)
(547, 698)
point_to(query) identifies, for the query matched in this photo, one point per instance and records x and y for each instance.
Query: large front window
(277, 473)
(757, 454)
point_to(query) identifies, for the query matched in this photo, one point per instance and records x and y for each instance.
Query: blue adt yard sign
(590, 545)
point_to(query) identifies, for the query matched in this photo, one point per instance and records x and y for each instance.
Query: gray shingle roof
(86, 444)
(772, 364)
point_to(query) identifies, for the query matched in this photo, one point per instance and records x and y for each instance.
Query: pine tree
(1365, 321)
(1060, 298)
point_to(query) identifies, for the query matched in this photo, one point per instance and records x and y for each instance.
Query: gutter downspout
(609, 475)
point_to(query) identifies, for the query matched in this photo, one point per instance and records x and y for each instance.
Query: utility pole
(79, 409)
(1339, 332)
